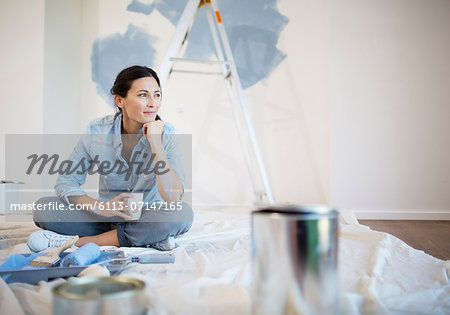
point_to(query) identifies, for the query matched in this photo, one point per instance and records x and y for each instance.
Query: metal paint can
(295, 260)
(100, 295)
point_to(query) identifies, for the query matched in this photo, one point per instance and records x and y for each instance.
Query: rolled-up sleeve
(68, 184)
(172, 142)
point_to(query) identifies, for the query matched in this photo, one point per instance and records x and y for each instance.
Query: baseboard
(402, 215)
(360, 214)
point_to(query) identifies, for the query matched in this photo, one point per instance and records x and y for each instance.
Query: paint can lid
(95, 288)
(298, 210)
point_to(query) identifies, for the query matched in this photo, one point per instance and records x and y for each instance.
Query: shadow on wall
(253, 28)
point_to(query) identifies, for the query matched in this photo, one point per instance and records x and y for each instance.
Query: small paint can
(135, 204)
(100, 295)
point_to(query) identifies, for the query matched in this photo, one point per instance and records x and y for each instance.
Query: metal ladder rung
(221, 62)
(197, 72)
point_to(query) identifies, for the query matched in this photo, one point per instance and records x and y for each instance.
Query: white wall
(21, 69)
(70, 96)
(356, 115)
(62, 66)
(390, 107)
(299, 90)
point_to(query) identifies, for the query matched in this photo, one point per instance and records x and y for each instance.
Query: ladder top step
(197, 72)
(227, 62)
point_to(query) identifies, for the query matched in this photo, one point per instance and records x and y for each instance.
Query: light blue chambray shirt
(103, 139)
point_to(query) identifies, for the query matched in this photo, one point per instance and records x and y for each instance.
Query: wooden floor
(433, 237)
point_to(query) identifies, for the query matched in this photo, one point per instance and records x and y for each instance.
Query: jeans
(154, 226)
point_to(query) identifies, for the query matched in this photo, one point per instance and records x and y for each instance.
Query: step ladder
(258, 177)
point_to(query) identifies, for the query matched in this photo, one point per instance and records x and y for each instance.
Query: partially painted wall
(382, 70)
(139, 32)
(253, 29)
(287, 105)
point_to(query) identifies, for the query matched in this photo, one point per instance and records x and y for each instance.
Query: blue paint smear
(172, 9)
(113, 53)
(253, 29)
(139, 7)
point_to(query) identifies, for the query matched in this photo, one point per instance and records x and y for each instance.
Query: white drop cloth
(379, 274)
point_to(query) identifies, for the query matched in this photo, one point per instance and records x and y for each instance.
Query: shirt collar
(117, 132)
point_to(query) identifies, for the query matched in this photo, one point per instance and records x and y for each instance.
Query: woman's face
(142, 102)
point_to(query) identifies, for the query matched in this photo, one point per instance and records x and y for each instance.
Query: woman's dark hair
(125, 79)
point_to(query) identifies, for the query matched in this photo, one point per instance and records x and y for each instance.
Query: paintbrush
(51, 257)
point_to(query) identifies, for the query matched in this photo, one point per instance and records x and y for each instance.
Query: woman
(131, 139)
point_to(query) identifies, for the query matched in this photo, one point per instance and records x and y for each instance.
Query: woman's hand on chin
(153, 130)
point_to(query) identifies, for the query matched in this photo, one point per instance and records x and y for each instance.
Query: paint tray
(33, 275)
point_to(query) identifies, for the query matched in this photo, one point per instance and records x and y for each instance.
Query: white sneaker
(167, 244)
(43, 239)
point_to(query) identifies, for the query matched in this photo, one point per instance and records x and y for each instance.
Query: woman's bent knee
(148, 232)
(43, 212)
(188, 213)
